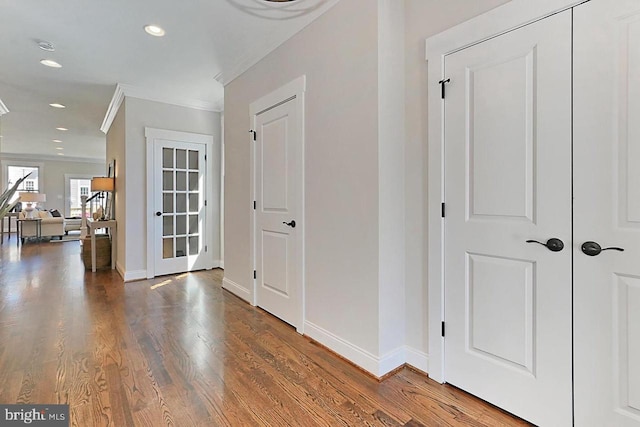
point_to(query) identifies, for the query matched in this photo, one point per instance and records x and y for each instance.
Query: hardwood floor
(180, 351)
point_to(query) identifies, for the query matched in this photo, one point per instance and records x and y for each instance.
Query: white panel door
(508, 180)
(179, 228)
(607, 212)
(278, 190)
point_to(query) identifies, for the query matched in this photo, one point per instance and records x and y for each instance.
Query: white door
(607, 212)
(278, 193)
(507, 181)
(179, 207)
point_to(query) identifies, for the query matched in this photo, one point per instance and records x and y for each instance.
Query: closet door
(507, 181)
(607, 213)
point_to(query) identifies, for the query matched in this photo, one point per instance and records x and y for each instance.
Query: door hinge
(443, 329)
(206, 248)
(205, 157)
(255, 274)
(443, 210)
(255, 134)
(205, 203)
(442, 83)
(254, 205)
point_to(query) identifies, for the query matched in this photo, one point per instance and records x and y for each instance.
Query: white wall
(116, 151)
(339, 55)
(139, 114)
(423, 18)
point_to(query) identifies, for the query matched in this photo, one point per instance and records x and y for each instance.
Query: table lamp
(102, 184)
(30, 198)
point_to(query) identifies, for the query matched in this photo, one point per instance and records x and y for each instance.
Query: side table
(109, 225)
(20, 231)
(8, 216)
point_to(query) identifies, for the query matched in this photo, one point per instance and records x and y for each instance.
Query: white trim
(344, 348)
(125, 90)
(216, 264)
(67, 189)
(47, 158)
(237, 290)
(221, 264)
(252, 58)
(294, 89)
(152, 135)
(112, 109)
(3, 108)
(493, 23)
(130, 276)
(416, 358)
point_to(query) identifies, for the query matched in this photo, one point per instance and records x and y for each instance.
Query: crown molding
(44, 157)
(251, 59)
(3, 108)
(125, 90)
(112, 110)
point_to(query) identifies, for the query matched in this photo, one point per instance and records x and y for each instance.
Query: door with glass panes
(179, 207)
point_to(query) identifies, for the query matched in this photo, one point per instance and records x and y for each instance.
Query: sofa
(50, 226)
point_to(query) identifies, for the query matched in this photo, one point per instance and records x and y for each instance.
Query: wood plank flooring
(180, 351)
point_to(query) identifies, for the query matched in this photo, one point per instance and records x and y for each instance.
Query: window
(14, 173)
(77, 187)
(84, 191)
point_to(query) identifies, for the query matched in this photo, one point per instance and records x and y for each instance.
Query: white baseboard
(130, 276)
(236, 289)
(215, 264)
(392, 360)
(222, 264)
(344, 348)
(416, 358)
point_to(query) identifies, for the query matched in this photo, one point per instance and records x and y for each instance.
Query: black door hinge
(255, 274)
(255, 134)
(205, 203)
(443, 210)
(206, 248)
(254, 205)
(205, 157)
(443, 329)
(442, 83)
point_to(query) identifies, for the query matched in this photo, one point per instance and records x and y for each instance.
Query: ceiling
(102, 43)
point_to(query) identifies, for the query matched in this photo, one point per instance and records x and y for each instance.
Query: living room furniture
(9, 215)
(72, 224)
(31, 198)
(111, 227)
(50, 226)
(34, 226)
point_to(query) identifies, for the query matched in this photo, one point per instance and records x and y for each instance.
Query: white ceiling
(102, 43)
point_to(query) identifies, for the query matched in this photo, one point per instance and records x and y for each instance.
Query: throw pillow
(55, 213)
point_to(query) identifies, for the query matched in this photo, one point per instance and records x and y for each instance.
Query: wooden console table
(111, 226)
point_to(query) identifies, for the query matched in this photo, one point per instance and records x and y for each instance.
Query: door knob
(291, 224)
(593, 249)
(553, 244)
(158, 213)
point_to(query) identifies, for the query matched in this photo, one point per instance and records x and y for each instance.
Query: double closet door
(542, 233)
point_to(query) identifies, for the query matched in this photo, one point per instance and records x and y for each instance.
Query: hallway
(181, 351)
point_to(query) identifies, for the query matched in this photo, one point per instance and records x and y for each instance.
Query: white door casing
(607, 211)
(508, 180)
(278, 202)
(178, 188)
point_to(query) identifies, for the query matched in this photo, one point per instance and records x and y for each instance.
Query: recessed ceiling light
(59, 148)
(60, 154)
(56, 140)
(62, 129)
(56, 105)
(154, 30)
(50, 63)
(45, 45)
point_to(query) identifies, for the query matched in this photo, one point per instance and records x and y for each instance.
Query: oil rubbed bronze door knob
(553, 244)
(594, 249)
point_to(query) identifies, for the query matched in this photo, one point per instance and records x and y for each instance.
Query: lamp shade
(29, 197)
(101, 183)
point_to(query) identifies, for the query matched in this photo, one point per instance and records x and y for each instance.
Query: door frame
(153, 137)
(500, 20)
(294, 91)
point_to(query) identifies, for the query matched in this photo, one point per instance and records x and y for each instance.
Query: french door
(179, 207)
(542, 233)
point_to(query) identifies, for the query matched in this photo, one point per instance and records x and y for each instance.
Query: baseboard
(417, 359)
(236, 289)
(222, 264)
(130, 276)
(344, 348)
(215, 264)
(391, 361)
